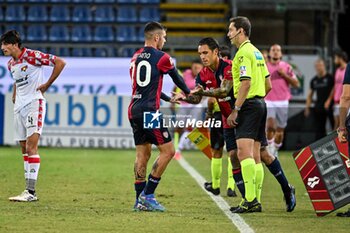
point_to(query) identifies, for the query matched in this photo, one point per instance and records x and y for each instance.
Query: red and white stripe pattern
(40, 115)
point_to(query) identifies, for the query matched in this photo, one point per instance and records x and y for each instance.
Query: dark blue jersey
(148, 65)
(347, 74)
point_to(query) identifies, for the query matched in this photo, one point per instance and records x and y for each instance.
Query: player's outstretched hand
(177, 97)
(198, 90)
(43, 88)
(342, 135)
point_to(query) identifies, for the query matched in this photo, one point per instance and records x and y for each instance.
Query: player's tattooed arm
(140, 172)
(221, 92)
(192, 99)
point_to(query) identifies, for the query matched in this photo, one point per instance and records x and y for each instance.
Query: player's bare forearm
(268, 85)
(222, 91)
(193, 99)
(242, 92)
(292, 81)
(14, 93)
(59, 65)
(217, 92)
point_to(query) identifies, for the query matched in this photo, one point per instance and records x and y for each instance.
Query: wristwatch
(237, 108)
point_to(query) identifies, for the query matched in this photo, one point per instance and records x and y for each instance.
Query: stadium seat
(59, 33)
(82, 14)
(140, 34)
(36, 33)
(37, 13)
(16, 0)
(126, 33)
(104, 14)
(82, 52)
(149, 14)
(81, 33)
(103, 33)
(104, 1)
(59, 13)
(127, 52)
(150, 1)
(127, 1)
(60, 1)
(82, 1)
(38, 1)
(63, 52)
(126, 14)
(1, 14)
(18, 27)
(101, 52)
(15, 13)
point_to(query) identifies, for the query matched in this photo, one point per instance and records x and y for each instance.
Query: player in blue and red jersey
(215, 80)
(148, 65)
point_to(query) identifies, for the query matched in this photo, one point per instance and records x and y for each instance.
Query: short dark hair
(11, 37)
(342, 54)
(242, 22)
(211, 42)
(153, 26)
(225, 51)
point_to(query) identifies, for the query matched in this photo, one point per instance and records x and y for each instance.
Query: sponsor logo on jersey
(242, 71)
(258, 55)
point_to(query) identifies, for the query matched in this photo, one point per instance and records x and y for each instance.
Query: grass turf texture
(92, 191)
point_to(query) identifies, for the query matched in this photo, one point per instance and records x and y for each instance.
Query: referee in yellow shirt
(250, 75)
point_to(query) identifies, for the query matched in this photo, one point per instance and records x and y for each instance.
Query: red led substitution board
(324, 167)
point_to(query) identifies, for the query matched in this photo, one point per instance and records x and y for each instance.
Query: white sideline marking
(237, 220)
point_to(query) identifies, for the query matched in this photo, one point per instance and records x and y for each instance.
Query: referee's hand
(231, 120)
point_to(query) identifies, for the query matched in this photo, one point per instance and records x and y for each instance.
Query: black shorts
(217, 134)
(230, 139)
(252, 119)
(157, 136)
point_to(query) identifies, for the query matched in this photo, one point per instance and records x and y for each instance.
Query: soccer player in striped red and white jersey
(26, 70)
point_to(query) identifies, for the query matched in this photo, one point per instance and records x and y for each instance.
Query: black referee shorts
(252, 120)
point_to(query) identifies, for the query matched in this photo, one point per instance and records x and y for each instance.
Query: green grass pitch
(90, 190)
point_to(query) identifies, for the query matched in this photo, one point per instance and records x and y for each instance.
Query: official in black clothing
(322, 84)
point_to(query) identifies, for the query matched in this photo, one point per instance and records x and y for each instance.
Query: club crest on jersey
(242, 71)
(166, 134)
(24, 68)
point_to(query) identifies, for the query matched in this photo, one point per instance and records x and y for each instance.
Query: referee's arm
(243, 91)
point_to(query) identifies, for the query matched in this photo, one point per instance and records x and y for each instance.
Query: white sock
(270, 141)
(183, 140)
(34, 166)
(26, 168)
(278, 146)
